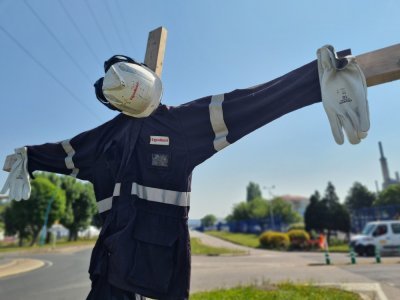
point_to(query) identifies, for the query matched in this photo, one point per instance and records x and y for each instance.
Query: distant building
(387, 181)
(299, 203)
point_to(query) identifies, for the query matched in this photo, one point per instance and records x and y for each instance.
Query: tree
(327, 213)
(241, 211)
(208, 220)
(330, 195)
(258, 208)
(253, 191)
(80, 203)
(341, 218)
(285, 211)
(359, 197)
(389, 196)
(16, 221)
(27, 217)
(315, 213)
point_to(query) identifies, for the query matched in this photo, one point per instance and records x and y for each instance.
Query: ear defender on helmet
(129, 87)
(98, 88)
(119, 58)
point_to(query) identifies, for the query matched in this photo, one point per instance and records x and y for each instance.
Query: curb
(367, 291)
(18, 266)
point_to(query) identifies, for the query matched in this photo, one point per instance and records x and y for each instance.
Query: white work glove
(18, 179)
(344, 95)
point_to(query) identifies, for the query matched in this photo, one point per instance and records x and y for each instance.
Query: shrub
(294, 226)
(274, 240)
(299, 239)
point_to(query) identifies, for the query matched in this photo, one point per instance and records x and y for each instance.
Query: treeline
(324, 213)
(68, 201)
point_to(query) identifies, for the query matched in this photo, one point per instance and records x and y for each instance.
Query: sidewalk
(19, 265)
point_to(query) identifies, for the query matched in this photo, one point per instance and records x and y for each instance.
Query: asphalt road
(65, 275)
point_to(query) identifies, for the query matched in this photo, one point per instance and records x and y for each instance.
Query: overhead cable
(49, 73)
(111, 16)
(98, 60)
(124, 23)
(57, 41)
(98, 26)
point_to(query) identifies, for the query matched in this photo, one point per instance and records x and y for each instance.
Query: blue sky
(213, 47)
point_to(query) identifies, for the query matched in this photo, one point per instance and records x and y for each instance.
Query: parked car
(381, 235)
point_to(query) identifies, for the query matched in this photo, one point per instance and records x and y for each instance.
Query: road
(65, 275)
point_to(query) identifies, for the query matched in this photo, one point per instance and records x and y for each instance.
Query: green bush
(274, 240)
(299, 239)
(294, 226)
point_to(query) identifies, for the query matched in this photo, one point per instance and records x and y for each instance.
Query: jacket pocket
(155, 255)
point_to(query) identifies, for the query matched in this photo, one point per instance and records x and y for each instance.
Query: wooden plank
(10, 160)
(155, 51)
(381, 66)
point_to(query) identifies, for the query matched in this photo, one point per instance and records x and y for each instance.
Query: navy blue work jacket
(141, 172)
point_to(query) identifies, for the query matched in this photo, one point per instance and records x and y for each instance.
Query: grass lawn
(59, 244)
(251, 240)
(339, 248)
(245, 239)
(198, 248)
(283, 291)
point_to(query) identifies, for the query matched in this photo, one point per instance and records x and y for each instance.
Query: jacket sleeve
(212, 123)
(76, 156)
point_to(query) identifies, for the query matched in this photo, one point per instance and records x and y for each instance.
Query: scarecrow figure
(140, 163)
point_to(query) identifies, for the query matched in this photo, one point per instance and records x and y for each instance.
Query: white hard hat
(129, 87)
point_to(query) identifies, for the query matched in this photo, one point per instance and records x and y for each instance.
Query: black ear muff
(118, 58)
(98, 88)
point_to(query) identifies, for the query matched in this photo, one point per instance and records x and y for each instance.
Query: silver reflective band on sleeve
(106, 204)
(69, 163)
(162, 196)
(218, 123)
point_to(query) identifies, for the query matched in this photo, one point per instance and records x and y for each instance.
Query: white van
(382, 234)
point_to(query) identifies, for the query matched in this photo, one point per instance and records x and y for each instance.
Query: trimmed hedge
(299, 239)
(274, 240)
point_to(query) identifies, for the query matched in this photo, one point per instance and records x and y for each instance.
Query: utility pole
(271, 211)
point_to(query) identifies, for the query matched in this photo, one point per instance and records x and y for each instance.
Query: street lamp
(271, 211)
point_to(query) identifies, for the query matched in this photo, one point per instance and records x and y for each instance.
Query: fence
(362, 216)
(249, 226)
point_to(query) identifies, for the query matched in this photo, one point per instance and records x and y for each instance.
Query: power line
(79, 32)
(49, 73)
(57, 41)
(98, 26)
(108, 9)
(125, 24)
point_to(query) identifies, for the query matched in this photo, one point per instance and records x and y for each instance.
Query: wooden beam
(381, 66)
(155, 51)
(10, 160)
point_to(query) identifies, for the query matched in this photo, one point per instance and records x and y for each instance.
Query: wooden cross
(155, 51)
(379, 66)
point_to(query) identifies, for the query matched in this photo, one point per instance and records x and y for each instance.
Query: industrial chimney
(384, 166)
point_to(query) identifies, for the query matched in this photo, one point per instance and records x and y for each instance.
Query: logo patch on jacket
(159, 140)
(160, 160)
